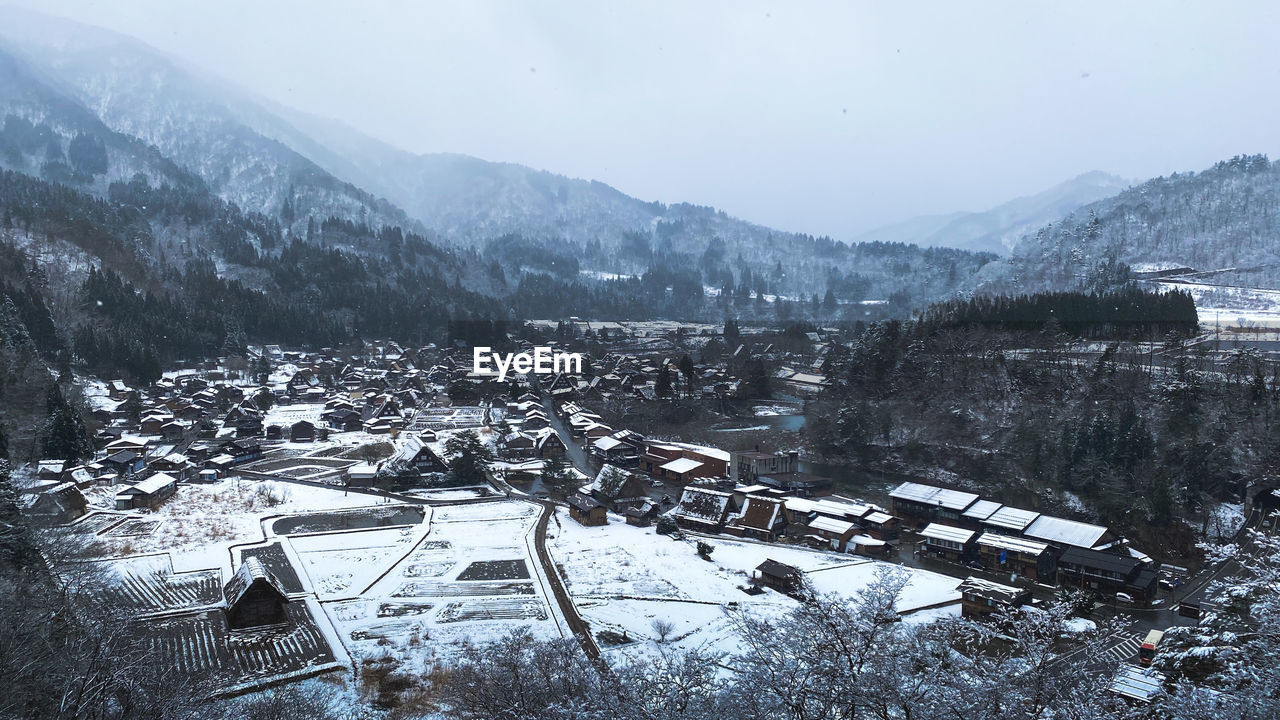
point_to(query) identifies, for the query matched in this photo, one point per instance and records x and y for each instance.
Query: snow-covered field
(624, 578)
(469, 576)
(199, 523)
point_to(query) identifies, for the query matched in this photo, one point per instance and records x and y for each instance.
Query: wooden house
(147, 494)
(303, 431)
(1029, 558)
(779, 576)
(60, 503)
(254, 597)
(920, 505)
(760, 518)
(702, 509)
(980, 598)
(1107, 573)
(618, 489)
(587, 511)
(949, 542)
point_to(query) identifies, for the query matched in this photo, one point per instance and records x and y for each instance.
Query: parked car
(1124, 598)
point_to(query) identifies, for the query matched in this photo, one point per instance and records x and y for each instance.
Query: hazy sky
(823, 118)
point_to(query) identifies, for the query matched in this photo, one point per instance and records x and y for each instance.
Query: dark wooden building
(980, 598)
(779, 576)
(254, 597)
(587, 511)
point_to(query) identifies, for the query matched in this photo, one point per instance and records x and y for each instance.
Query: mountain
(997, 230)
(203, 124)
(1221, 219)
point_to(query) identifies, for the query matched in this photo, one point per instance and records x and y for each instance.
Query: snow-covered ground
(468, 575)
(624, 578)
(199, 523)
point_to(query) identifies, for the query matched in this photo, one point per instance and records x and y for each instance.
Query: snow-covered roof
(1011, 543)
(681, 466)
(938, 531)
(702, 504)
(153, 484)
(1012, 518)
(1137, 683)
(1067, 532)
(990, 590)
(982, 509)
(607, 443)
(841, 509)
(878, 517)
(831, 525)
(250, 571)
(930, 495)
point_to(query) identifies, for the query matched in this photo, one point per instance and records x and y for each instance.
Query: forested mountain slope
(997, 230)
(1227, 216)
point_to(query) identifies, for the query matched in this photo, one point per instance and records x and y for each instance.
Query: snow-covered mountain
(204, 124)
(997, 230)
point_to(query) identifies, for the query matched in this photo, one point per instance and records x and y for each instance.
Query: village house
(147, 494)
(748, 466)
(1107, 574)
(547, 443)
(830, 533)
(60, 503)
(303, 431)
(760, 518)
(779, 576)
(702, 509)
(641, 515)
(587, 511)
(919, 504)
(122, 464)
(617, 489)
(980, 598)
(1031, 559)
(952, 543)
(254, 597)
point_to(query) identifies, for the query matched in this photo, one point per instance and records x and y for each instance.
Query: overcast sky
(823, 118)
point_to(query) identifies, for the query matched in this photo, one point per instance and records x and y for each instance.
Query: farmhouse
(147, 494)
(779, 576)
(61, 503)
(587, 511)
(618, 489)
(831, 533)
(761, 518)
(702, 509)
(980, 598)
(302, 431)
(254, 597)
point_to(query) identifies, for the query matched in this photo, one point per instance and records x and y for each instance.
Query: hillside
(1224, 217)
(198, 122)
(997, 230)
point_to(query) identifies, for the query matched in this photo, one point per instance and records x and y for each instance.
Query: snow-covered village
(639, 360)
(322, 517)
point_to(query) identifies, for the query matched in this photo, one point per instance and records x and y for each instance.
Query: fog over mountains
(999, 229)
(69, 88)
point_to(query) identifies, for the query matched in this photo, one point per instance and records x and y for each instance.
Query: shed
(779, 576)
(254, 597)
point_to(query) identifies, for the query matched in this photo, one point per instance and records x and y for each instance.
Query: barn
(254, 597)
